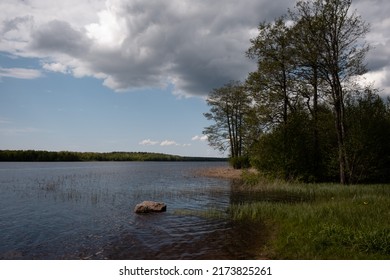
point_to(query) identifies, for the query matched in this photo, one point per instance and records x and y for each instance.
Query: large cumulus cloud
(192, 46)
(375, 12)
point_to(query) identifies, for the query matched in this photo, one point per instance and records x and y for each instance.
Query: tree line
(33, 155)
(304, 114)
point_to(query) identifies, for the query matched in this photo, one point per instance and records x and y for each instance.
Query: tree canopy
(316, 121)
(229, 106)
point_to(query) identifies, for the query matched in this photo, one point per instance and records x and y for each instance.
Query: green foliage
(300, 157)
(239, 162)
(301, 89)
(300, 115)
(229, 106)
(368, 134)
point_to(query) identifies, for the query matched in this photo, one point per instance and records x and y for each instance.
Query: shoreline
(222, 172)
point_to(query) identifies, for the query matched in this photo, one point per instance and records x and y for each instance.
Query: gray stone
(150, 206)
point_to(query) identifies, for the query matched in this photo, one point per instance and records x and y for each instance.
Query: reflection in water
(85, 211)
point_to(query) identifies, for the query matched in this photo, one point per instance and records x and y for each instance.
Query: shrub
(239, 162)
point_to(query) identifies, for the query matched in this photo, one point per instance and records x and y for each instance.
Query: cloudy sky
(132, 75)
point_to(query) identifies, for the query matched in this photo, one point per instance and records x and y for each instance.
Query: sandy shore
(221, 172)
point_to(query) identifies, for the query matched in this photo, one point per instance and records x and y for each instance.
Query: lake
(85, 210)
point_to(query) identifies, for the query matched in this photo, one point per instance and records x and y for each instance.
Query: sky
(134, 75)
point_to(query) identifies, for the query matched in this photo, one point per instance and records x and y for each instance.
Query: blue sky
(61, 112)
(116, 75)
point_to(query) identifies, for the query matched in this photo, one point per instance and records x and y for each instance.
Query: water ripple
(85, 211)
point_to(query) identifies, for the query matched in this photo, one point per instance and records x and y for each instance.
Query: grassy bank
(317, 221)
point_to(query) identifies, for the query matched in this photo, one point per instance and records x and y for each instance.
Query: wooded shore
(38, 155)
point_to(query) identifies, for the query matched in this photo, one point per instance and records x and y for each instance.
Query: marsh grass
(324, 221)
(72, 188)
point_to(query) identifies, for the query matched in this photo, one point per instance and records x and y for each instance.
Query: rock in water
(150, 206)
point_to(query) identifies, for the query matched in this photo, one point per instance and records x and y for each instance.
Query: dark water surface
(84, 210)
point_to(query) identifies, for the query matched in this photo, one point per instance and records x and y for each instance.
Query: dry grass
(223, 172)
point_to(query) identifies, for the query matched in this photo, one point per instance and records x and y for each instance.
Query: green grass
(322, 221)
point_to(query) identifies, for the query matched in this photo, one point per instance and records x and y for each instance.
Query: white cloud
(20, 73)
(56, 67)
(110, 32)
(169, 143)
(194, 46)
(165, 143)
(148, 142)
(199, 138)
(173, 143)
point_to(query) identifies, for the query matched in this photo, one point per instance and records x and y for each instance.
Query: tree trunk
(285, 119)
(229, 130)
(317, 155)
(340, 129)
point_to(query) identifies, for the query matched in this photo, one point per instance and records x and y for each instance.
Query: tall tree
(310, 83)
(228, 108)
(272, 85)
(341, 49)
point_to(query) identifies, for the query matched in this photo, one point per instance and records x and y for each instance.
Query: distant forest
(32, 155)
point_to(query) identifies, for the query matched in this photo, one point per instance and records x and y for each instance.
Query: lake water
(84, 210)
